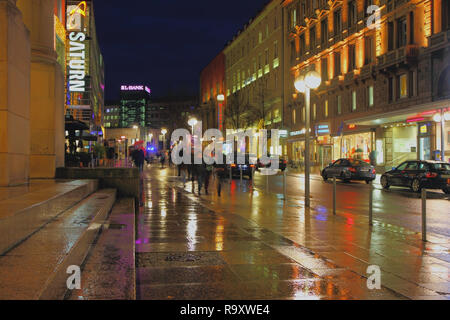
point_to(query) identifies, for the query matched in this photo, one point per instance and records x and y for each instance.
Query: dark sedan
(418, 175)
(282, 164)
(247, 167)
(349, 169)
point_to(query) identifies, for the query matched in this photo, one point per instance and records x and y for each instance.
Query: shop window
(403, 86)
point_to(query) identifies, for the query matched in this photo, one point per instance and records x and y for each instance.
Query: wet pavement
(190, 247)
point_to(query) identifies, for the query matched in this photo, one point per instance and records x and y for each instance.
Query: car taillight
(233, 165)
(284, 161)
(431, 175)
(374, 171)
(252, 166)
(352, 170)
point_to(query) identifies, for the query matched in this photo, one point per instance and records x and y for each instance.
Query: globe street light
(164, 132)
(304, 84)
(192, 122)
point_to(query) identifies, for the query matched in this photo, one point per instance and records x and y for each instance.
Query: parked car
(282, 164)
(247, 167)
(418, 175)
(349, 169)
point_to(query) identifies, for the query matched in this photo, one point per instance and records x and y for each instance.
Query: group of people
(202, 173)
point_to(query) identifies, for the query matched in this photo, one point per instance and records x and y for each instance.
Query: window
(324, 69)
(368, 50)
(339, 105)
(303, 114)
(353, 100)
(337, 64)
(445, 15)
(370, 99)
(267, 30)
(403, 86)
(314, 111)
(412, 166)
(352, 13)
(325, 111)
(391, 89)
(294, 116)
(302, 44)
(337, 22)
(324, 32)
(275, 49)
(260, 37)
(351, 58)
(401, 32)
(267, 57)
(390, 36)
(293, 18)
(312, 38)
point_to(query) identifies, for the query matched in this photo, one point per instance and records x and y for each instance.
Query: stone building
(385, 79)
(31, 92)
(254, 74)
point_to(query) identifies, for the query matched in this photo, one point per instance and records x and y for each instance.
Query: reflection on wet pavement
(187, 251)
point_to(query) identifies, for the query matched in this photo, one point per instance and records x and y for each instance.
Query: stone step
(23, 215)
(109, 270)
(37, 267)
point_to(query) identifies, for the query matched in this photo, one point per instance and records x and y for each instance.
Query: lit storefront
(420, 133)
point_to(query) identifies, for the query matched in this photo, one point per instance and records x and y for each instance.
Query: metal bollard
(371, 206)
(334, 195)
(284, 185)
(240, 172)
(424, 215)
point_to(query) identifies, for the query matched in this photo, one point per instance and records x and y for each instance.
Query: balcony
(405, 55)
(439, 40)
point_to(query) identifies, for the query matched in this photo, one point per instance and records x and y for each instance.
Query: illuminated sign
(77, 62)
(423, 129)
(74, 16)
(322, 129)
(352, 126)
(135, 88)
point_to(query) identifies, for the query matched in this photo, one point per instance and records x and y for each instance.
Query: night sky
(165, 43)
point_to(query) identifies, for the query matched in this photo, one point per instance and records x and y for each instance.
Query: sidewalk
(414, 269)
(184, 250)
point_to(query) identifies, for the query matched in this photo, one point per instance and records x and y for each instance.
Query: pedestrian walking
(163, 160)
(219, 176)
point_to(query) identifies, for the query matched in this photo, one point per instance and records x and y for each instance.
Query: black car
(349, 169)
(418, 175)
(247, 167)
(282, 164)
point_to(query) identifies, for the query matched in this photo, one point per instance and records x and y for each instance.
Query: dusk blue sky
(165, 43)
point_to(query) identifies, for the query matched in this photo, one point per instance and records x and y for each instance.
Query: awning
(71, 124)
(400, 115)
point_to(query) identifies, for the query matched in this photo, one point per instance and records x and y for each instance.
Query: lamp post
(164, 132)
(304, 84)
(220, 100)
(192, 122)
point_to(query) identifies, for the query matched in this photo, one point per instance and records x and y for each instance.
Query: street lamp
(164, 132)
(304, 84)
(192, 122)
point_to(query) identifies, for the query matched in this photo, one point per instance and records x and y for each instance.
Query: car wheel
(384, 183)
(415, 186)
(446, 190)
(324, 176)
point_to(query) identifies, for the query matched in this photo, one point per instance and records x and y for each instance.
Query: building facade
(31, 90)
(85, 67)
(384, 67)
(212, 84)
(254, 73)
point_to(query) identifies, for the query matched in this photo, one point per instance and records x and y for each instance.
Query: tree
(237, 112)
